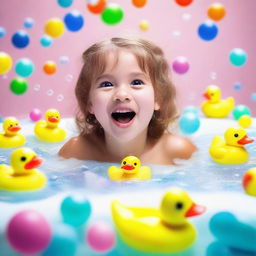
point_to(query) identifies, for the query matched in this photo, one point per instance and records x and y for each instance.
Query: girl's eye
(137, 82)
(106, 84)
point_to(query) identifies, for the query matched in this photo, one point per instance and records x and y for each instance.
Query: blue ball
(29, 23)
(75, 210)
(238, 86)
(241, 110)
(208, 30)
(65, 3)
(20, 39)
(24, 67)
(46, 41)
(64, 241)
(189, 122)
(74, 21)
(2, 32)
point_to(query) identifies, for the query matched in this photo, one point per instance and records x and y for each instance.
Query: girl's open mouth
(123, 117)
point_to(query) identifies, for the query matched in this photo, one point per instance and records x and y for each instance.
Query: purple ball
(180, 65)
(28, 232)
(35, 114)
(100, 237)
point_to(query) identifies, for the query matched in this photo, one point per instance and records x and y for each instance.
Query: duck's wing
(217, 149)
(115, 173)
(144, 173)
(230, 102)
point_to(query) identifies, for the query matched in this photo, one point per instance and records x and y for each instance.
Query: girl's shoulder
(178, 146)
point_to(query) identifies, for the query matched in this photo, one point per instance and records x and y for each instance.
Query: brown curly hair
(151, 61)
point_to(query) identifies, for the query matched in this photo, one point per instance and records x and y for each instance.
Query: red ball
(183, 2)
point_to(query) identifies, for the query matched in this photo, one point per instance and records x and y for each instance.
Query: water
(209, 182)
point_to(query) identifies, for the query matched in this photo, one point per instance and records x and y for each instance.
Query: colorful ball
(180, 65)
(24, 67)
(208, 30)
(20, 39)
(245, 121)
(139, 3)
(100, 237)
(183, 2)
(46, 41)
(54, 28)
(18, 86)
(189, 122)
(144, 25)
(112, 14)
(74, 21)
(75, 210)
(49, 67)
(97, 7)
(65, 3)
(28, 232)
(241, 110)
(29, 23)
(64, 241)
(5, 63)
(2, 32)
(238, 57)
(35, 114)
(216, 11)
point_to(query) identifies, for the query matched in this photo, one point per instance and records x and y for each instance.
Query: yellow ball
(54, 28)
(5, 63)
(245, 121)
(144, 25)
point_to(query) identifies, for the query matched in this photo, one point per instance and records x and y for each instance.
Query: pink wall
(172, 27)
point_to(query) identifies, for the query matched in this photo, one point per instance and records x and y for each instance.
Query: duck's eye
(23, 158)
(11, 125)
(57, 117)
(124, 162)
(236, 135)
(135, 164)
(179, 206)
(16, 124)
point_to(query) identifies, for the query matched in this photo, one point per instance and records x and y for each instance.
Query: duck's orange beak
(195, 210)
(53, 119)
(128, 167)
(245, 140)
(14, 128)
(35, 162)
(246, 179)
(207, 96)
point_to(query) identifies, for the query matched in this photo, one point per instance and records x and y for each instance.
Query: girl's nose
(122, 94)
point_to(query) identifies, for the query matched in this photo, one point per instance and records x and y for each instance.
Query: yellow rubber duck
(249, 182)
(48, 130)
(130, 169)
(231, 149)
(214, 106)
(11, 138)
(21, 175)
(164, 230)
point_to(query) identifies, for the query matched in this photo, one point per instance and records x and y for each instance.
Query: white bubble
(37, 87)
(4, 76)
(176, 33)
(50, 92)
(60, 97)
(213, 75)
(186, 16)
(64, 59)
(69, 78)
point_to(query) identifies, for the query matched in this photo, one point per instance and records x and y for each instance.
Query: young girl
(126, 102)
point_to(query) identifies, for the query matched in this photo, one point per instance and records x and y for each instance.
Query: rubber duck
(11, 138)
(21, 175)
(130, 169)
(214, 106)
(231, 149)
(163, 230)
(48, 130)
(249, 182)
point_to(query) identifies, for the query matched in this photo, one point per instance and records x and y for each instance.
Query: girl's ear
(90, 108)
(157, 106)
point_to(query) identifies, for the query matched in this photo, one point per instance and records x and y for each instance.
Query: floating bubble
(238, 57)
(37, 87)
(213, 75)
(65, 3)
(183, 2)
(186, 16)
(180, 65)
(139, 3)
(69, 78)
(74, 21)
(18, 86)
(54, 27)
(238, 86)
(60, 97)
(5, 63)
(29, 23)
(64, 59)
(176, 33)
(208, 30)
(216, 11)
(112, 14)
(49, 67)
(46, 41)
(24, 67)
(50, 92)
(97, 6)
(2, 32)
(20, 39)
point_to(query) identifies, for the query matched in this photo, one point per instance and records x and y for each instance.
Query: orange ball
(139, 3)
(216, 11)
(183, 2)
(50, 67)
(98, 7)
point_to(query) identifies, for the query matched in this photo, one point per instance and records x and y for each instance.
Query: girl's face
(122, 98)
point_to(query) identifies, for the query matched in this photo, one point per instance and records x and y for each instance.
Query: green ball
(238, 57)
(241, 110)
(18, 86)
(112, 14)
